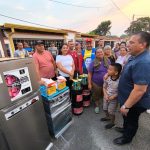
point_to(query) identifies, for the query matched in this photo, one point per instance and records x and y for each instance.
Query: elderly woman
(96, 72)
(108, 53)
(65, 65)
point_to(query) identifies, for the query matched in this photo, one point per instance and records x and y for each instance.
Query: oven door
(60, 121)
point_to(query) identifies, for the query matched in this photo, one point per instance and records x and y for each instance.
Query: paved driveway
(88, 133)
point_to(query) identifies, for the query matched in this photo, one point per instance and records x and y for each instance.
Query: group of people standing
(119, 75)
(123, 75)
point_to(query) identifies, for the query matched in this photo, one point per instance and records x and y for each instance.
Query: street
(88, 133)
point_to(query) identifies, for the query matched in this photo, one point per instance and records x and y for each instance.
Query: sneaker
(109, 126)
(148, 111)
(96, 110)
(105, 119)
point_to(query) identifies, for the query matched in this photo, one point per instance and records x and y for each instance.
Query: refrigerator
(22, 118)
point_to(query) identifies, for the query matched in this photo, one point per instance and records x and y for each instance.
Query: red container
(77, 102)
(86, 98)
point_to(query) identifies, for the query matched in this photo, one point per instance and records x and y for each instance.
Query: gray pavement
(88, 133)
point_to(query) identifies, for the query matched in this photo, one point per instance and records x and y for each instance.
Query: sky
(56, 15)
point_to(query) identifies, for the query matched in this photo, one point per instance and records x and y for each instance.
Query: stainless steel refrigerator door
(3, 142)
(5, 99)
(25, 128)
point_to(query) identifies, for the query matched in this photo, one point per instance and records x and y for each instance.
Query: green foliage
(124, 36)
(92, 33)
(103, 28)
(141, 24)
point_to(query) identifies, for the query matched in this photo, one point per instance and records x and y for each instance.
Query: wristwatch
(124, 107)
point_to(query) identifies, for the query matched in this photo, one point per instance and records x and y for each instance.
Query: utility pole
(149, 25)
(132, 24)
(133, 17)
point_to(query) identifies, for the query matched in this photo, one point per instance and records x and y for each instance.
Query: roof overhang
(88, 35)
(30, 28)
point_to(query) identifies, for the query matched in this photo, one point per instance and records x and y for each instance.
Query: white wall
(70, 36)
(93, 43)
(6, 41)
(1, 49)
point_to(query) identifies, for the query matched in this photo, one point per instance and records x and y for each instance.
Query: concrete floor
(88, 133)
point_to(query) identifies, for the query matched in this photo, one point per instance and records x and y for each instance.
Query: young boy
(110, 89)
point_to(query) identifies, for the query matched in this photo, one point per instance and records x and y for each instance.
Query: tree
(103, 28)
(141, 24)
(124, 36)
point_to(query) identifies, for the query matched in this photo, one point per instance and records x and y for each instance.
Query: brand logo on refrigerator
(18, 82)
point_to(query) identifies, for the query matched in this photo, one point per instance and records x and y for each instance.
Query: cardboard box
(50, 85)
(51, 90)
(61, 83)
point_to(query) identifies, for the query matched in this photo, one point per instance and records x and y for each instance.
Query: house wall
(71, 36)
(1, 50)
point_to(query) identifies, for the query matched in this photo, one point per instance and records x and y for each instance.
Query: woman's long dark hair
(105, 60)
(60, 51)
